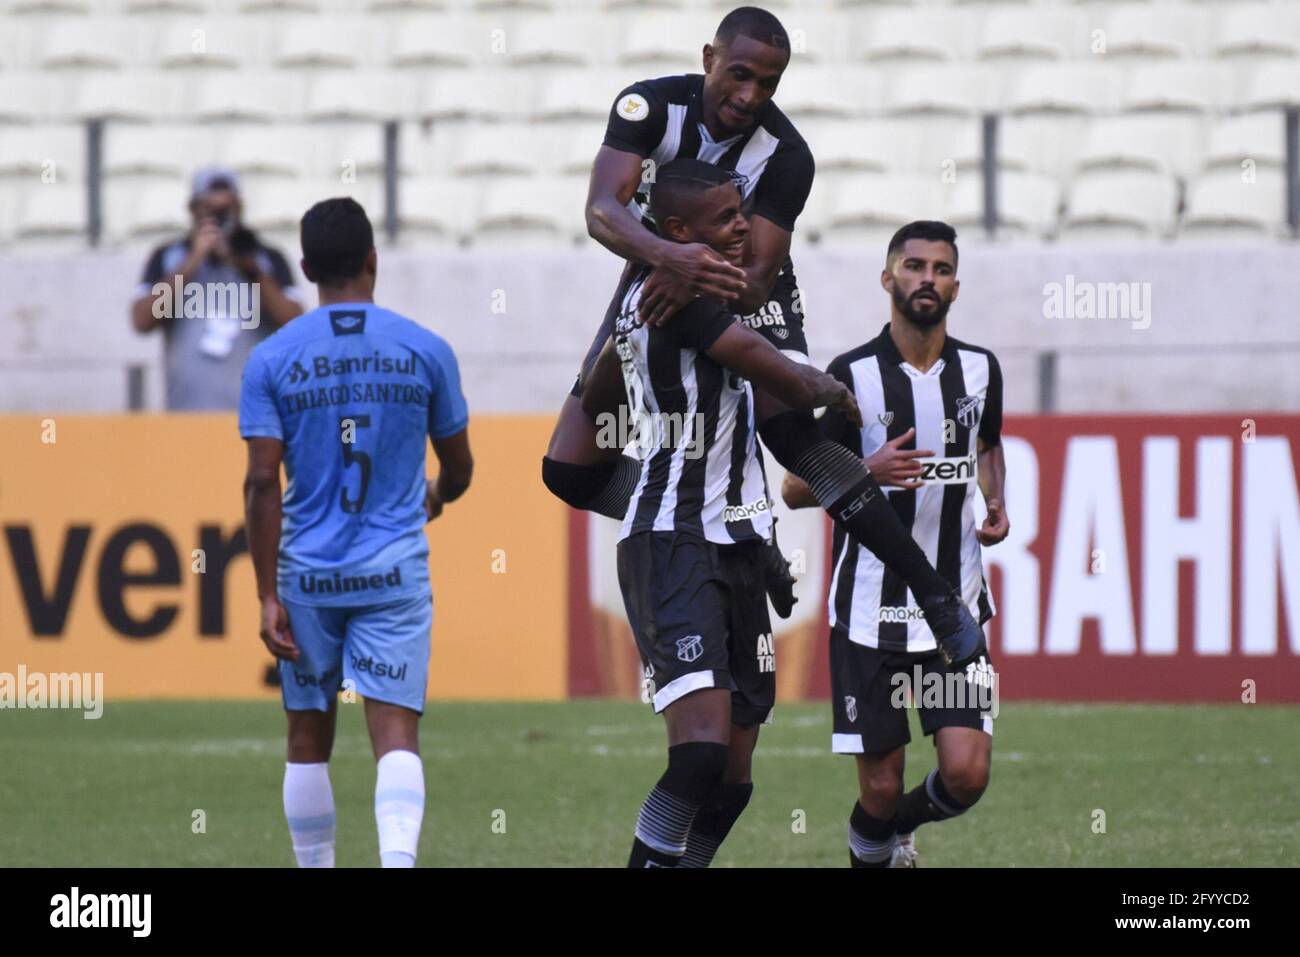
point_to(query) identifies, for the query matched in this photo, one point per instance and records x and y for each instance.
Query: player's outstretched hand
(893, 465)
(432, 501)
(276, 634)
(996, 525)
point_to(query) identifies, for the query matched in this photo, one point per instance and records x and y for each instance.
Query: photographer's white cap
(213, 177)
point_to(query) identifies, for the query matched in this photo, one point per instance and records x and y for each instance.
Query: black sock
(871, 840)
(845, 489)
(713, 822)
(694, 770)
(928, 801)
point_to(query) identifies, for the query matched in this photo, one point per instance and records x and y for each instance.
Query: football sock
(713, 822)
(694, 771)
(926, 802)
(399, 807)
(309, 809)
(605, 488)
(844, 488)
(871, 840)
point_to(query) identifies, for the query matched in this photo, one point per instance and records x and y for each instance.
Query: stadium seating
(1090, 95)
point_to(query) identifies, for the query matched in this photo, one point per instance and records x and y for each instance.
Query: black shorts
(870, 700)
(699, 615)
(779, 320)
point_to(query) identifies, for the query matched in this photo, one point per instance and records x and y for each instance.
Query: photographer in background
(236, 292)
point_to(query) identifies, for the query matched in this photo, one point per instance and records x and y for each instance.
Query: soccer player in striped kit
(931, 429)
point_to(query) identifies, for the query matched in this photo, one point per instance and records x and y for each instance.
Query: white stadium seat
(1258, 137)
(579, 143)
(146, 214)
(1272, 85)
(247, 96)
(956, 90)
(1258, 30)
(1140, 32)
(1162, 143)
(277, 208)
(1120, 205)
(860, 146)
(281, 6)
(436, 210)
(833, 91)
(358, 95)
(256, 156)
(478, 94)
(38, 154)
(24, 97)
(910, 36)
(665, 43)
(500, 150)
(816, 39)
(220, 43)
(1195, 87)
(156, 152)
(580, 94)
(1017, 34)
(1063, 88)
(442, 42)
(324, 43)
(551, 41)
(1028, 205)
(89, 43)
(55, 212)
(133, 96)
(1223, 204)
(870, 207)
(147, 8)
(531, 211)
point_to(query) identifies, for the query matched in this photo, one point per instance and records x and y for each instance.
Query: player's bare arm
(992, 466)
(455, 470)
(603, 390)
(262, 515)
(688, 268)
(748, 354)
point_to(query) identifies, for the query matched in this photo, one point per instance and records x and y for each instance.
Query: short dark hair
(678, 182)
(336, 239)
(929, 229)
(755, 23)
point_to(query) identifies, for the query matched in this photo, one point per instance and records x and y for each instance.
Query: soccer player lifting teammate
(931, 424)
(691, 552)
(346, 397)
(726, 117)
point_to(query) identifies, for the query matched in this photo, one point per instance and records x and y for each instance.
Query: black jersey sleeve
(833, 423)
(699, 324)
(153, 267)
(991, 419)
(637, 120)
(783, 190)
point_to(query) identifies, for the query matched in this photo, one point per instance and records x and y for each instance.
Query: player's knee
(695, 769)
(966, 778)
(881, 789)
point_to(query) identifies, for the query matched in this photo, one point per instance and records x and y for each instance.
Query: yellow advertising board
(123, 553)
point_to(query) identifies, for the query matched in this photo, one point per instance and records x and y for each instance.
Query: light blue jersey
(353, 391)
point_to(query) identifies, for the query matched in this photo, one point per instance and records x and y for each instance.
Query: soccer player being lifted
(347, 398)
(692, 545)
(726, 117)
(931, 424)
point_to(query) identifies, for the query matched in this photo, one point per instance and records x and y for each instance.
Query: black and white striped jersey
(951, 405)
(663, 119)
(692, 425)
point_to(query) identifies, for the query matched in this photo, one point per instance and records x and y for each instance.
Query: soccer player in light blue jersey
(344, 397)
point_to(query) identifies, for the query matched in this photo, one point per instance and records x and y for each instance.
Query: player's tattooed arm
(992, 468)
(687, 269)
(799, 386)
(262, 513)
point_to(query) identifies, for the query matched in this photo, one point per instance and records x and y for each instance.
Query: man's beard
(924, 319)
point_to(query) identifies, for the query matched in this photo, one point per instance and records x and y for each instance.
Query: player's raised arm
(799, 386)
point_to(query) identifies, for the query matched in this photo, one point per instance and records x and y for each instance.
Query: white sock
(309, 808)
(399, 807)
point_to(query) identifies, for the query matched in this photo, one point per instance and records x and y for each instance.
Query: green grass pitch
(1179, 785)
